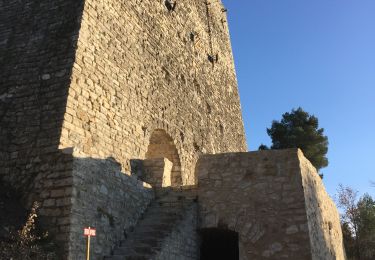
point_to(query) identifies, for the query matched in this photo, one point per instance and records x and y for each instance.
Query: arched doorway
(218, 244)
(162, 146)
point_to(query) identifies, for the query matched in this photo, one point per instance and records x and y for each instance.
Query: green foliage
(349, 241)
(298, 129)
(27, 244)
(263, 147)
(358, 224)
(366, 226)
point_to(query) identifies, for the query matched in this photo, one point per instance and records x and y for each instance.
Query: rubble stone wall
(263, 196)
(140, 67)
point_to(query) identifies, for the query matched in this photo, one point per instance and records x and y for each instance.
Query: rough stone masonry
(87, 87)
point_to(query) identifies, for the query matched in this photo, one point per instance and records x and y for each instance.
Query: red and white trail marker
(89, 232)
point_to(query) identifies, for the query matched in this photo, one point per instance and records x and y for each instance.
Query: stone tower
(102, 100)
(104, 76)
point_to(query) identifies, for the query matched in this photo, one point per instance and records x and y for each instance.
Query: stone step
(150, 233)
(152, 241)
(161, 217)
(157, 222)
(156, 226)
(176, 198)
(166, 207)
(183, 194)
(126, 257)
(163, 212)
(138, 249)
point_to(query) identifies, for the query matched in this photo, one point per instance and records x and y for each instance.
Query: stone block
(57, 193)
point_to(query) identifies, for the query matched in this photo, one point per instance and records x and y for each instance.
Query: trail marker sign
(89, 232)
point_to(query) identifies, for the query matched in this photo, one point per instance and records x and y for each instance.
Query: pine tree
(299, 129)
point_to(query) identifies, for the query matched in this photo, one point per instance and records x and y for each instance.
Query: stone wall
(157, 172)
(104, 76)
(53, 189)
(37, 50)
(141, 67)
(106, 199)
(76, 191)
(183, 242)
(323, 216)
(264, 197)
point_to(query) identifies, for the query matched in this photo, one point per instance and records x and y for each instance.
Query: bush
(26, 244)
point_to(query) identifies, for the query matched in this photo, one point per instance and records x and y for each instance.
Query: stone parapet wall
(261, 195)
(323, 216)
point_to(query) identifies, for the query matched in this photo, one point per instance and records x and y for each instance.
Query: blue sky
(319, 55)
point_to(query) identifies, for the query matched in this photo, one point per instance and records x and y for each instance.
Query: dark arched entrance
(218, 244)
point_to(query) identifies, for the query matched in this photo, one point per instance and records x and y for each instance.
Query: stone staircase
(163, 215)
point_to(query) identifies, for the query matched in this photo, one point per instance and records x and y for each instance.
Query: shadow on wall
(37, 51)
(76, 192)
(38, 41)
(107, 199)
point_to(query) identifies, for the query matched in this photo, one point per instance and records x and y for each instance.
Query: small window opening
(170, 5)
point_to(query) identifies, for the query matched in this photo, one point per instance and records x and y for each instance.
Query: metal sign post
(89, 232)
